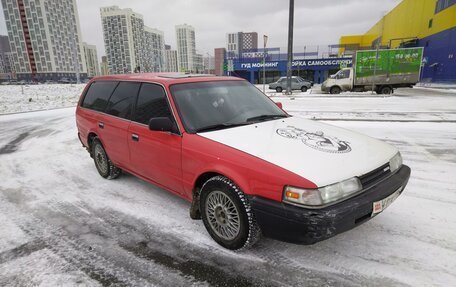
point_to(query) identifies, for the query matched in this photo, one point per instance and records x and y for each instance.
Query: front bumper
(307, 226)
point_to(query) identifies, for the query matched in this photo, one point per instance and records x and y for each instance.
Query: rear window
(98, 95)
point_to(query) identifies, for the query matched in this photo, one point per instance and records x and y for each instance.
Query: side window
(151, 103)
(98, 94)
(344, 74)
(121, 101)
(295, 80)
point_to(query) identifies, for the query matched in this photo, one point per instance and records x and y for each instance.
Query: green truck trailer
(383, 70)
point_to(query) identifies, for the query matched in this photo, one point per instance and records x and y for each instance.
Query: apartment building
(237, 43)
(186, 48)
(123, 33)
(171, 60)
(154, 48)
(249, 41)
(45, 39)
(91, 59)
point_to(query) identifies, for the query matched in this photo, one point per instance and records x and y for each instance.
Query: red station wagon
(247, 167)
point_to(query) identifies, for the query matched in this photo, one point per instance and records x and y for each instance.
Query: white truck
(384, 70)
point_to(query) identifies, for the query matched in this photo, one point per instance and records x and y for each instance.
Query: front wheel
(304, 89)
(279, 90)
(227, 214)
(335, 90)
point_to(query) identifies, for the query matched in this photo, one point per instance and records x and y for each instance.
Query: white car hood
(321, 153)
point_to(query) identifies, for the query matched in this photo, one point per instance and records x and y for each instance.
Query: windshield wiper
(266, 117)
(219, 127)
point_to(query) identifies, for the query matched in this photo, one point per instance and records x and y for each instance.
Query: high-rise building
(233, 44)
(104, 67)
(91, 59)
(123, 32)
(237, 43)
(154, 49)
(219, 60)
(45, 38)
(171, 59)
(186, 48)
(249, 41)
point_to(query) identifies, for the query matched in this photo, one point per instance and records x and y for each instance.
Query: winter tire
(279, 89)
(335, 90)
(227, 214)
(102, 162)
(304, 89)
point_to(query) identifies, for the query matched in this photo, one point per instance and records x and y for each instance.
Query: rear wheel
(335, 90)
(304, 89)
(386, 90)
(102, 162)
(227, 214)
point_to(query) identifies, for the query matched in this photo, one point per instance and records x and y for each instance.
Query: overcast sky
(316, 21)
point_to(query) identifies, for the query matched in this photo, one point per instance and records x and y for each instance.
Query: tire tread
(254, 231)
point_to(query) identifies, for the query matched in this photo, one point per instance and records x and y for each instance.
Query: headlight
(323, 195)
(395, 162)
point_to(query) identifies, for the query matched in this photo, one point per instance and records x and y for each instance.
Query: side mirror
(163, 124)
(332, 76)
(279, 104)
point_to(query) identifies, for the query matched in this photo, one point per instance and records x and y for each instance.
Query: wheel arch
(233, 176)
(203, 177)
(90, 138)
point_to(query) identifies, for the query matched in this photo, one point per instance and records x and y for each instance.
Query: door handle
(135, 137)
(101, 125)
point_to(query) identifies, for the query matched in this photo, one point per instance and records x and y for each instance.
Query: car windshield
(205, 106)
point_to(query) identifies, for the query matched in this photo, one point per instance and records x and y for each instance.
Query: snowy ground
(62, 224)
(16, 98)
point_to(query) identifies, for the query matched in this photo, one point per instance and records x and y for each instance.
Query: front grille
(371, 178)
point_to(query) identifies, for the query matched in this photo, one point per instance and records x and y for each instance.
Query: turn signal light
(291, 194)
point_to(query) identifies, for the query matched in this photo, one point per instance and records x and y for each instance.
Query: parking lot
(62, 224)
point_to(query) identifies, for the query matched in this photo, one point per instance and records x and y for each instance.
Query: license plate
(379, 206)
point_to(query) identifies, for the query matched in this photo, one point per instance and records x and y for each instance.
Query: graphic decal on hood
(317, 140)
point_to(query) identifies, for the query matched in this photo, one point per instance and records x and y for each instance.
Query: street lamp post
(290, 46)
(265, 41)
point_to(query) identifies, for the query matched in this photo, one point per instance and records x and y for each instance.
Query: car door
(295, 84)
(114, 123)
(344, 80)
(154, 155)
(94, 105)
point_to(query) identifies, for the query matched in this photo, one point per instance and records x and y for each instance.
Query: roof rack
(182, 75)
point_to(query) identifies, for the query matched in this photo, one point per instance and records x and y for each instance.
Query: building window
(443, 4)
